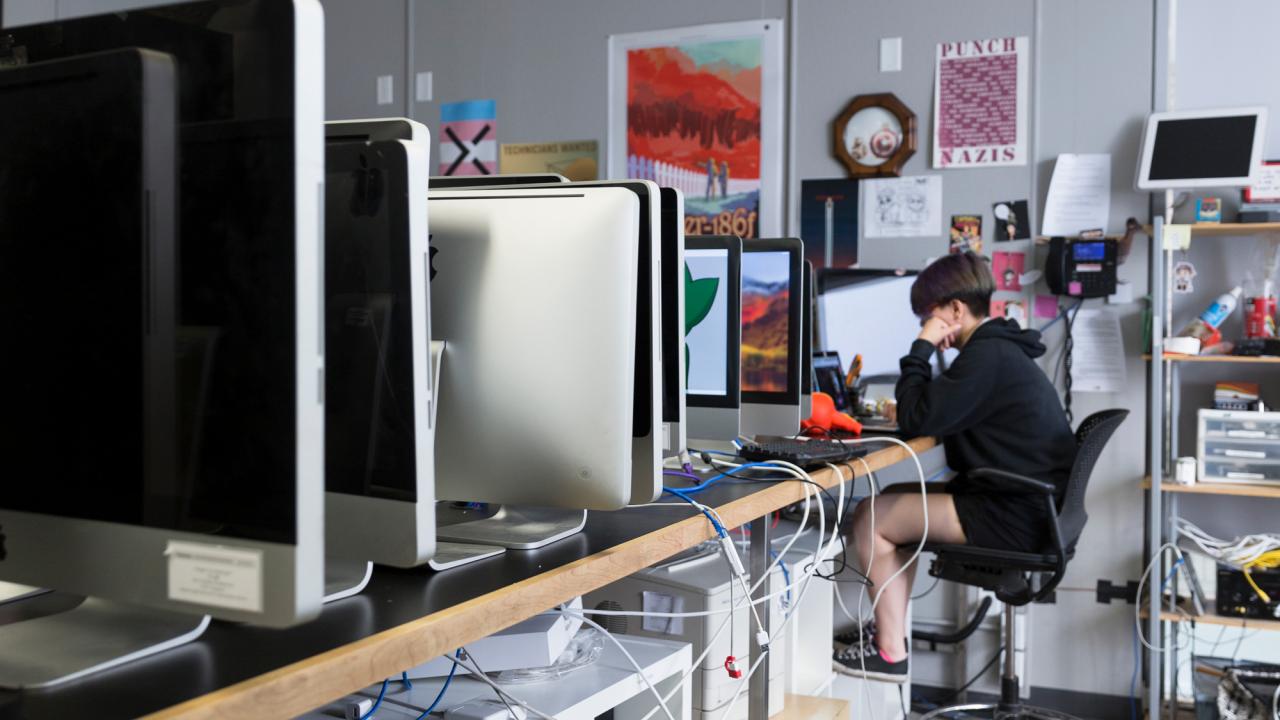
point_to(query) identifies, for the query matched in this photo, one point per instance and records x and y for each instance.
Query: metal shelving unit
(1163, 496)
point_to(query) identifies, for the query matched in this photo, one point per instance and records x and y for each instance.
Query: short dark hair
(963, 276)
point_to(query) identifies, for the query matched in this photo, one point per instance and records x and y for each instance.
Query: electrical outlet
(385, 87)
(890, 54)
(423, 82)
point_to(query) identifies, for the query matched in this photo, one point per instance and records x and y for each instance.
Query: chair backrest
(1091, 438)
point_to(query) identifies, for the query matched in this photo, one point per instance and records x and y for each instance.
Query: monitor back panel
(534, 295)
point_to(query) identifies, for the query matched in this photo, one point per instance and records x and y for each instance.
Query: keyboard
(807, 454)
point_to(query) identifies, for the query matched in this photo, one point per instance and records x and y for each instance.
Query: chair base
(999, 711)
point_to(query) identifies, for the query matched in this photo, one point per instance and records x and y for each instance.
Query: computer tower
(695, 582)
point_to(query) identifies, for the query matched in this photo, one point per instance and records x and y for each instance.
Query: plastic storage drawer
(1239, 447)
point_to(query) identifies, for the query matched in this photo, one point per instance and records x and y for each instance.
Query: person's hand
(939, 332)
(890, 411)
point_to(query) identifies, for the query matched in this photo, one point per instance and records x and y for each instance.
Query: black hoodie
(993, 407)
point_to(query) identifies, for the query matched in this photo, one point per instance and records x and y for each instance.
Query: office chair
(1018, 578)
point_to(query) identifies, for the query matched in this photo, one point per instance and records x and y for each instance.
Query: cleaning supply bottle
(1207, 324)
(1260, 310)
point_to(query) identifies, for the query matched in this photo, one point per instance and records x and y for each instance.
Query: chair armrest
(1015, 482)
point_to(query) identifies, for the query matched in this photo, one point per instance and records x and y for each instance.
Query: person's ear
(957, 309)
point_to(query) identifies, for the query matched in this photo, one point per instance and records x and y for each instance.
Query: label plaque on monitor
(215, 575)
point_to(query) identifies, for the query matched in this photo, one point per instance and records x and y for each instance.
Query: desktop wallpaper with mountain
(766, 296)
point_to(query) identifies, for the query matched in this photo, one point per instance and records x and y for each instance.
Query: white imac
(1201, 148)
(379, 428)
(772, 328)
(534, 293)
(713, 344)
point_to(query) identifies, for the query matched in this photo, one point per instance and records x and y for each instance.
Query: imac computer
(1201, 148)
(806, 342)
(534, 293)
(772, 328)
(647, 451)
(379, 464)
(713, 340)
(129, 510)
(845, 326)
(674, 410)
(453, 182)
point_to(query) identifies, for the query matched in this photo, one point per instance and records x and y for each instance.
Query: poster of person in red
(693, 123)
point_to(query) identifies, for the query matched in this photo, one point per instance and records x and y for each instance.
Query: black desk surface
(228, 653)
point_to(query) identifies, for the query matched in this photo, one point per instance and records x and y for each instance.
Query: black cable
(936, 580)
(1067, 345)
(957, 692)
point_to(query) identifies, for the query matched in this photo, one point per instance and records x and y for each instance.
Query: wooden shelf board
(1209, 618)
(1216, 358)
(1234, 229)
(1237, 490)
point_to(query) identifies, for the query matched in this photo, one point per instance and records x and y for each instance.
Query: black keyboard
(808, 454)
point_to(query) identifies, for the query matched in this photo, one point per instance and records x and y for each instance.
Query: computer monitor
(379, 431)
(375, 129)
(453, 182)
(806, 343)
(647, 452)
(713, 342)
(247, 490)
(674, 410)
(868, 313)
(772, 328)
(534, 293)
(828, 377)
(1201, 148)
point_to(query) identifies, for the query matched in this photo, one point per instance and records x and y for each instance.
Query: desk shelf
(1219, 489)
(1185, 614)
(1246, 359)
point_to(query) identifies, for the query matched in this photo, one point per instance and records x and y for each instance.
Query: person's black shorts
(990, 519)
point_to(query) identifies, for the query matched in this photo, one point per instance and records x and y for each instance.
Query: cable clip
(731, 666)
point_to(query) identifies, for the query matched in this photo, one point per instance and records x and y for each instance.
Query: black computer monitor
(772, 329)
(807, 341)
(454, 182)
(713, 343)
(828, 377)
(248, 490)
(674, 425)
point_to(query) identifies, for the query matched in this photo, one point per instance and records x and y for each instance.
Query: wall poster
(980, 103)
(700, 109)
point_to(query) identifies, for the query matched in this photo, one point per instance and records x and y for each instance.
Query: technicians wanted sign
(980, 103)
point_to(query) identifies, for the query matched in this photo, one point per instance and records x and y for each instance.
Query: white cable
(1137, 607)
(820, 551)
(662, 704)
(475, 672)
(742, 684)
(862, 594)
(1275, 704)
(1237, 552)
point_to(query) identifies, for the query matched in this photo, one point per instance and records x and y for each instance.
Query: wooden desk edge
(302, 686)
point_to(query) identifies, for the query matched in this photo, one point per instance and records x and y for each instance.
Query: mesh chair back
(1091, 438)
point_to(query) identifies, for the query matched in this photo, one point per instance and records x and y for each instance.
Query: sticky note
(1177, 237)
(1046, 306)
(1075, 288)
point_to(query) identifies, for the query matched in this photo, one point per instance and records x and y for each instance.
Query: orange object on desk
(826, 417)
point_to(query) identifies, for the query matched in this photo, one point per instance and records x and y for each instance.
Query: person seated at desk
(992, 408)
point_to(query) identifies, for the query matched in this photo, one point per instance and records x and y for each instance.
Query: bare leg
(899, 520)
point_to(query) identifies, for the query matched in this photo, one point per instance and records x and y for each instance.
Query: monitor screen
(80, 375)
(871, 316)
(829, 376)
(766, 290)
(707, 286)
(1205, 147)
(1089, 251)
(369, 395)
(238, 349)
(672, 323)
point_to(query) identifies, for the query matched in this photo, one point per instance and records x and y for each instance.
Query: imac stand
(344, 578)
(96, 635)
(515, 528)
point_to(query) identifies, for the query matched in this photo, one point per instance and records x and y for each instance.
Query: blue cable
(376, 703)
(1062, 315)
(708, 483)
(714, 523)
(786, 578)
(404, 680)
(457, 654)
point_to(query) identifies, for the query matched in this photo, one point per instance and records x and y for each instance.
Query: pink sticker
(1075, 288)
(997, 308)
(1046, 306)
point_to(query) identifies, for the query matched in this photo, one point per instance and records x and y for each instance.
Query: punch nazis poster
(980, 103)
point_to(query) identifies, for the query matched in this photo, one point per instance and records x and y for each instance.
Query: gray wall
(545, 63)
